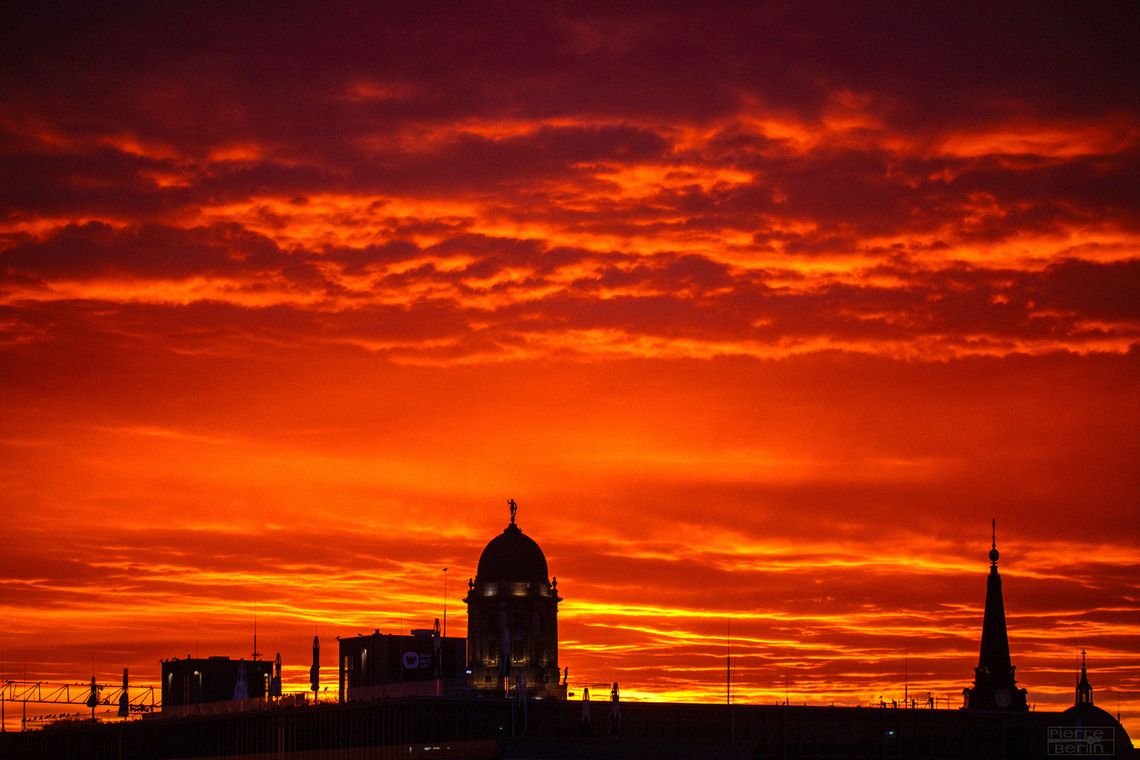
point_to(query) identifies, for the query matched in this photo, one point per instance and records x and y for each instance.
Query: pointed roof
(994, 656)
(995, 687)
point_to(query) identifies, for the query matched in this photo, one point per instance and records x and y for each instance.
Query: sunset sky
(761, 311)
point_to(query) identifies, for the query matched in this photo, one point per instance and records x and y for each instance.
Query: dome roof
(1088, 715)
(512, 556)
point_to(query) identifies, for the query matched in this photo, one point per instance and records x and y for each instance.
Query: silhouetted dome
(512, 556)
(1088, 715)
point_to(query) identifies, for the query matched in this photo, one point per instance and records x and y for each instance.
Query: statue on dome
(514, 508)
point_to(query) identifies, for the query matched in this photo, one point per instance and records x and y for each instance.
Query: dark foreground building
(482, 729)
(512, 705)
(206, 680)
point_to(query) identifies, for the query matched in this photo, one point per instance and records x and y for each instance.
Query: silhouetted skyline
(761, 312)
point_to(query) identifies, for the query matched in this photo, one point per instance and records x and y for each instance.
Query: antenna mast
(728, 666)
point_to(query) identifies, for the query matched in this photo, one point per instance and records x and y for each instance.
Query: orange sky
(761, 314)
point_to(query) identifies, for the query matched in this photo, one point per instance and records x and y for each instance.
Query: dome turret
(512, 618)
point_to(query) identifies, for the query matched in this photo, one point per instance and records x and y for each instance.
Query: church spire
(995, 641)
(995, 687)
(1084, 689)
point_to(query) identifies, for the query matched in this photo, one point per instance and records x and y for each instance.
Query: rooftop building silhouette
(484, 720)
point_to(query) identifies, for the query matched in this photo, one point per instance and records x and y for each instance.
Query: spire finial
(514, 508)
(993, 544)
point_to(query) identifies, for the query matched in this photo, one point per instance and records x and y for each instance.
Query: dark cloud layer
(964, 62)
(260, 290)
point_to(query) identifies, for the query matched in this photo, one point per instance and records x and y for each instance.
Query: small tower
(512, 617)
(1084, 689)
(995, 687)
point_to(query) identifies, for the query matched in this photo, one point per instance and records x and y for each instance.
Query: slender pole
(445, 602)
(728, 679)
